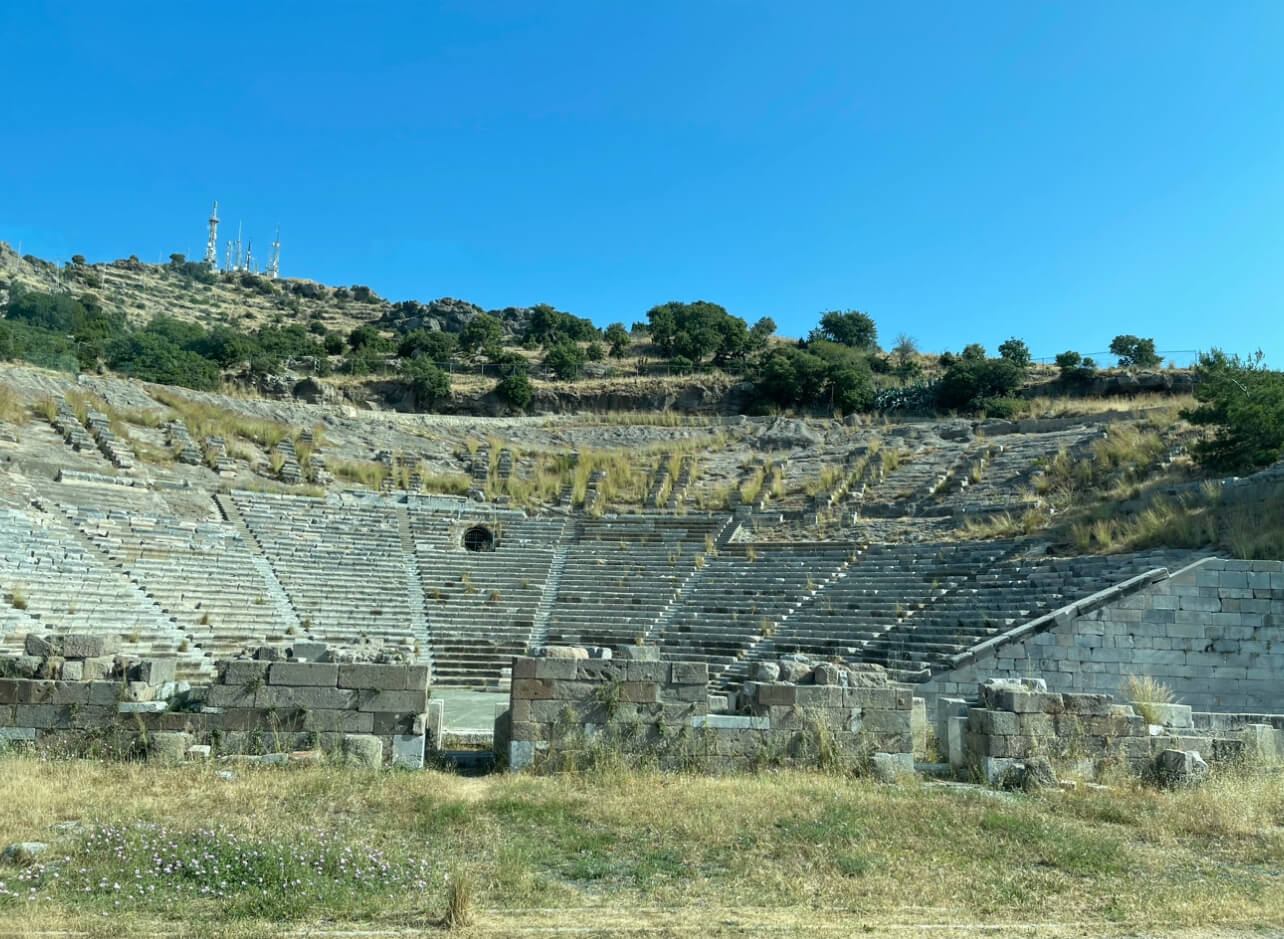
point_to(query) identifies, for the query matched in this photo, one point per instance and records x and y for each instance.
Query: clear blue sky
(960, 171)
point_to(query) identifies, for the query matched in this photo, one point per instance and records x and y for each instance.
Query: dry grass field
(323, 850)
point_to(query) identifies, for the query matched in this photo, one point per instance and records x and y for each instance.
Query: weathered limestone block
(408, 751)
(318, 674)
(826, 673)
(339, 721)
(561, 669)
(231, 696)
(1180, 767)
(564, 652)
(168, 747)
(794, 671)
(413, 701)
(647, 671)
(42, 646)
(242, 672)
(151, 671)
(82, 646)
(389, 723)
(307, 697)
(636, 653)
(892, 767)
(766, 672)
(363, 750)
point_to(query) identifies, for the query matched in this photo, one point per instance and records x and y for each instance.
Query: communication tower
(249, 257)
(211, 246)
(274, 257)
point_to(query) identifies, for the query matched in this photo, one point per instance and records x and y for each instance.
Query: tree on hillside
(549, 326)
(696, 330)
(566, 361)
(970, 381)
(974, 352)
(428, 383)
(760, 332)
(1134, 351)
(847, 328)
(618, 338)
(822, 374)
(1074, 367)
(433, 345)
(481, 332)
(1017, 352)
(1244, 403)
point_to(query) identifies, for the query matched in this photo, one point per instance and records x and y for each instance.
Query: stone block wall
(1213, 632)
(66, 686)
(565, 702)
(1014, 720)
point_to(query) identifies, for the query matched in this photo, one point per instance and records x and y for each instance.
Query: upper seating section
(342, 566)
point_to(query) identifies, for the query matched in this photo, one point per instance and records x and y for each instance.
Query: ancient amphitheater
(726, 542)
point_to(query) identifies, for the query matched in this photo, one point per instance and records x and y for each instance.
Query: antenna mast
(249, 257)
(274, 257)
(211, 246)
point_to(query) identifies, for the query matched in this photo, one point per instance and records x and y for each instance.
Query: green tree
(483, 331)
(1074, 367)
(1244, 403)
(1016, 352)
(974, 352)
(847, 328)
(969, 381)
(366, 336)
(618, 338)
(760, 332)
(1134, 351)
(565, 360)
(697, 330)
(428, 383)
(516, 389)
(433, 345)
(595, 351)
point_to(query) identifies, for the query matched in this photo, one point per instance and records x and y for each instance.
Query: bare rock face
(785, 434)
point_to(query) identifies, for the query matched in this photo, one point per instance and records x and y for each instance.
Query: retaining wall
(560, 706)
(66, 686)
(1213, 632)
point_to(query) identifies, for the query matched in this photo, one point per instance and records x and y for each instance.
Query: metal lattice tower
(249, 257)
(211, 246)
(274, 257)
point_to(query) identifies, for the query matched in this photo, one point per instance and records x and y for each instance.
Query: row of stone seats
(68, 589)
(912, 482)
(201, 573)
(342, 566)
(481, 605)
(1013, 460)
(622, 573)
(741, 595)
(859, 615)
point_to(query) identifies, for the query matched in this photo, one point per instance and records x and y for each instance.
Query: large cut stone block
(242, 672)
(533, 689)
(305, 697)
(363, 750)
(563, 669)
(81, 646)
(375, 677)
(416, 701)
(316, 674)
(341, 721)
(408, 751)
(690, 673)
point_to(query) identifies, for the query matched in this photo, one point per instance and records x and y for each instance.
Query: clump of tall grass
(1144, 692)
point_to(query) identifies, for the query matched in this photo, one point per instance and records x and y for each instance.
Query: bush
(435, 346)
(516, 390)
(428, 383)
(1134, 351)
(594, 351)
(1003, 409)
(566, 361)
(1244, 403)
(481, 332)
(1075, 368)
(971, 380)
(618, 337)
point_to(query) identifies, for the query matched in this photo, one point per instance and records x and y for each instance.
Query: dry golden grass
(781, 852)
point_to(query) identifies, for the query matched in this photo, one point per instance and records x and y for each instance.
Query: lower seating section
(859, 616)
(481, 605)
(201, 573)
(55, 582)
(342, 566)
(740, 597)
(621, 574)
